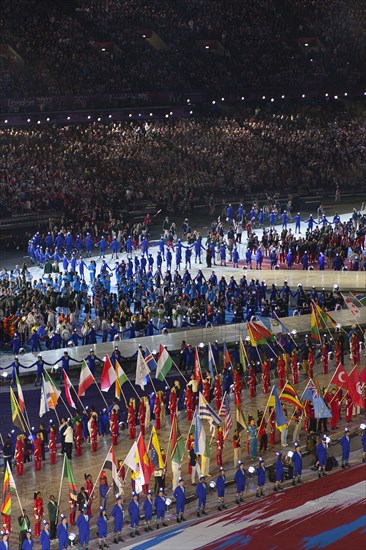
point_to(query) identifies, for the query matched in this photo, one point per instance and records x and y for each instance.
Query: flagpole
(134, 389)
(222, 402)
(170, 435)
(265, 410)
(213, 359)
(20, 412)
(354, 317)
(120, 387)
(76, 393)
(245, 353)
(62, 399)
(97, 479)
(189, 431)
(288, 332)
(327, 388)
(178, 369)
(316, 321)
(16, 490)
(60, 490)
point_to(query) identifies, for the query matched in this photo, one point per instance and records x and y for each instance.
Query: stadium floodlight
(38, 122)
(272, 99)
(48, 119)
(109, 116)
(242, 98)
(303, 96)
(28, 119)
(191, 112)
(6, 121)
(222, 99)
(345, 94)
(213, 102)
(263, 97)
(99, 119)
(89, 117)
(68, 118)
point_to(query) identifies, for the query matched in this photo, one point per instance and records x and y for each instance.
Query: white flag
(43, 405)
(142, 370)
(130, 459)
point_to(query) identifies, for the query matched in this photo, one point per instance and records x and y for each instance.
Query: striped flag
(226, 357)
(242, 355)
(67, 388)
(120, 380)
(20, 394)
(108, 375)
(225, 411)
(8, 482)
(206, 412)
(150, 360)
(16, 415)
(289, 395)
(43, 402)
(86, 379)
(197, 366)
(71, 478)
(211, 361)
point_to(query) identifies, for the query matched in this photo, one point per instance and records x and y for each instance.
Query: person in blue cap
(160, 508)
(83, 525)
(240, 483)
(148, 511)
(261, 478)
(117, 515)
(345, 443)
(28, 541)
(45, 537)
(180, 499)
(279, 472)
(133, 510)
(63, 533)
(102, 525)
(201, 492)
(4, 541)
(220, 488)
(321, 454)
(296, 459)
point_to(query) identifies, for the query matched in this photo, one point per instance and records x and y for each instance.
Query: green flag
(69, 474)
(165, 363)
(177, 442)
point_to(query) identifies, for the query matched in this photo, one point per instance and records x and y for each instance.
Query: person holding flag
(78, 437)
(207, 388)
(265, 375)
(188, 401)
(19, 454)
(38, 512)
(294, 367)
(236, 447)
(219, 446)
(238, 386)
(160, 508)
(218, 391)
(157, 410)
(240, 483)
(114, 427)
(252, 380)
(117, 515)
(142, 415)
(173, 402)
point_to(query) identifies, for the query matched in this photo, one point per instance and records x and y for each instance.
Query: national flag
(7, 482)
(340, 377)
(177, 443)
(354, 309)
(228, 424)
(320, 408)
(108, 376)
(242, 355)
(355, 388)
(165, 363)
(43, 403)
(274, 401)
(121, 378)
(86, 379)
(138, 475)
(258, 333)
(289, 395)
(314, 331)
(111, 465)
(130, 459)
(199, 436)
(142, 370)
(52, 391)
(241, 423)
(67, 388)
(211, 361)
(16, 415)
(21, 401)
(155, 450)
(276, 324)
(226, 357)
(146, 465)
(206, 412)
(69, 474)
(362, 375)
(310, 392)
(150, 360)
(323, 318)
(197, 366)
(360, 298)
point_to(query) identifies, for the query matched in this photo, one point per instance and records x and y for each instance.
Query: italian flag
(165, 363)
(86, 379)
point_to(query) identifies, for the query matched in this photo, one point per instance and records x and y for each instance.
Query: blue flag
(320, 408)
(281, 419)
(211, 361)
(199, 436)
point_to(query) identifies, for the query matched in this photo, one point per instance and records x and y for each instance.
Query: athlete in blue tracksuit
(160, 508)
(321, 453)
(83, 525)
(148, 511)
(133, 510)
(345, 443)
(201, 492)
(240, 483)
(220, 488)
(297, 462)
(117, 515)
(180, 499)
(65, 364)
(63, 533)
(261, 477)
(44, 539)
(279, 471)
(102, 525)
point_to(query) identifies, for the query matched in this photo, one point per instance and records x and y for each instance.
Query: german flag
(6, 506)
(289, 395)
